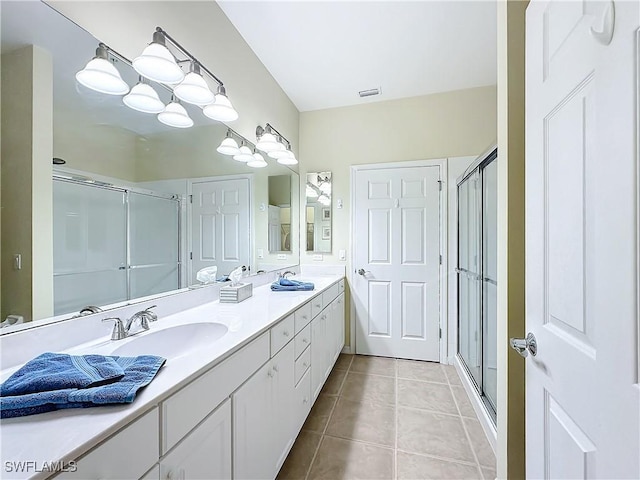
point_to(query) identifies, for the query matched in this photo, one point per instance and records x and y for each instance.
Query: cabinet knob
(305, 400)
(285, 333)
(275, 368)
(304, 316)
(305, 365)
(305, 340)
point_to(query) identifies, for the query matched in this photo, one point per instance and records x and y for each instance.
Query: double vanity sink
(268, 357)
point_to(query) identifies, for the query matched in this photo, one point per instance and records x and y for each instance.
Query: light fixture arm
(165, 36)
(231, 132)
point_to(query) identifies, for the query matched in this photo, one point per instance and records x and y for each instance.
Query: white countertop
(65, 435)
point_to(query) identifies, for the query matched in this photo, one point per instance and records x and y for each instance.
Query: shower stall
(477, 276)
(112, 244)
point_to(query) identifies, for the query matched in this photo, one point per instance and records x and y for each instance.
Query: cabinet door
(318, 335)
(253, 426)
(338, 325)
(205, 452)
(329, 342)
(283, 416)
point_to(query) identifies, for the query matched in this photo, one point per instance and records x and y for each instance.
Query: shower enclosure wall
(112, 244)
(477, 285)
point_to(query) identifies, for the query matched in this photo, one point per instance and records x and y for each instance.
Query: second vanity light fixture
(274, 144)
(159, 64)
(243, 152)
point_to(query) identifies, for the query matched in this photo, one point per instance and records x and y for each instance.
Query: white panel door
(397, 252)
(220, 225)
(581, 277)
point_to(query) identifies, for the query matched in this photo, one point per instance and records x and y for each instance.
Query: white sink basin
(172, 342)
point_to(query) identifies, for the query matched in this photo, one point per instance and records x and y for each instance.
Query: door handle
(524, 346)
(362, 271)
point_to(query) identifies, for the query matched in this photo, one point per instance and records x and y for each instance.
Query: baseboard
(478, 405)
(347, 349)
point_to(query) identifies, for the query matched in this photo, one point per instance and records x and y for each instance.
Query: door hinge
(440, 333)
(190, 255)
(190, 198)
(440, 259)
(440, 185)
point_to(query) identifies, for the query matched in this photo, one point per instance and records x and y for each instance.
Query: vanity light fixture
(221, 108)
(267, 141)
(194, 89)
(101, 75)
(258, 160)
(175, 115)
(157, 63)
(144, 98)
(311, 191)
(228, 146)
(288, 158)
(280, 149)
(244, 155)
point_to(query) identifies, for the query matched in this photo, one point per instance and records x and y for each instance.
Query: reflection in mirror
(137, 207)
(318, 212)
(279, 213)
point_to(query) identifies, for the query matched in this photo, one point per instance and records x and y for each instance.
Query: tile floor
(381, 418)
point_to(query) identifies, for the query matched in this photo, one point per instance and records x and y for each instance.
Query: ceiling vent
(369, 93)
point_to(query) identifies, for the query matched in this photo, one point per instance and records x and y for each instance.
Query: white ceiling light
(101, 75)
(244, 155)
(221, 109)
(258, 161)
(144, 98)
(267, 141)
(157, 63)
(288, 158)
(175, 115)
(228, 146)
(194, 89)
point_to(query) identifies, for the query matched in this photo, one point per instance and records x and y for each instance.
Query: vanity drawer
(316, 306)
(341, 286)
(330, 294)
(302, 364)
(130, 453)
(281, 334)
(186, 408)
(302, 316)
(302, 401)
(303, 340)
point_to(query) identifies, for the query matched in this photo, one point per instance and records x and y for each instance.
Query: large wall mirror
(133, 208)
(318, 212)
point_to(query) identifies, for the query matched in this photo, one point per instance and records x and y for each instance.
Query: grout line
(313, 459)
(363, 442)
(455, 415)
(438, 457)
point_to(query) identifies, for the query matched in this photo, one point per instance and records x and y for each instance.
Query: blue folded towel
(57, 371)
(138, 372)
(288, 285)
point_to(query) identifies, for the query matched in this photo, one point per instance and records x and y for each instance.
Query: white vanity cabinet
(262, 420)
(205, 452)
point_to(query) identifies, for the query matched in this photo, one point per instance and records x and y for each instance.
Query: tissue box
(236, 294)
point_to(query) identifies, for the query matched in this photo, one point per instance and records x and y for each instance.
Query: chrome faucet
(121, 331)
(284, 275)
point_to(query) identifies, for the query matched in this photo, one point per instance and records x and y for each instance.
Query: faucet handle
(147, 316)
(118, 332)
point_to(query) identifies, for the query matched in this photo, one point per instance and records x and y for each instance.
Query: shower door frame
(479, 165)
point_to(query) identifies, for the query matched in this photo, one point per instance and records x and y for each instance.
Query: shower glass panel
(477, 285)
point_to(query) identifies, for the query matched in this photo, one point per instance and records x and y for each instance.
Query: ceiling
(322, 53)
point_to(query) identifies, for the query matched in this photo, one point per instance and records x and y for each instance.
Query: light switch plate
(342, 255)
(260, 253)
(317, 257)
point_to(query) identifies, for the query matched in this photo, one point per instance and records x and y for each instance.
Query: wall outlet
(260, 253)
(317, 257)
(339, 203)
(342, 255)
(282, 256)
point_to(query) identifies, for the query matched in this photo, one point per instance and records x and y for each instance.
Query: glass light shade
(175, 115)
(325, 187)
(311, 192)
(244, 155)
(228, 146)
(280, 152)
(102, 76)
(288, 159)
(158, 64)
(257, 162)
(268, 143)
(221, 109)
(324, 200)
(194, 89)
(144, 98)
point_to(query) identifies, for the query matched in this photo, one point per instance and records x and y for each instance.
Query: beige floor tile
(375, 423)
(374, 365)
(319, 416)
(369, 388)
(429, 396)
(432, 433)
(340, 459)
(488, 473)
(427, 371)
(299, 460)
(462, 399)
(343, 362)
(480, 444)
(414, 467)
(334, 382)
(452, 375)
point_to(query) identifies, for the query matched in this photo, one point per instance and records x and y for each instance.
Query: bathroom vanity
(231, 408)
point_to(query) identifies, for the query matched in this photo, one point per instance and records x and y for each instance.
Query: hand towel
(138, 373)
(57, 371)
(288, 285)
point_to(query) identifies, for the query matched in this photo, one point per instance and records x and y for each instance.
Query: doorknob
(362, 271)
(524, 346)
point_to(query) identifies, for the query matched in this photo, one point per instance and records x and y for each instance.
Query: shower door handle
(524, 346)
